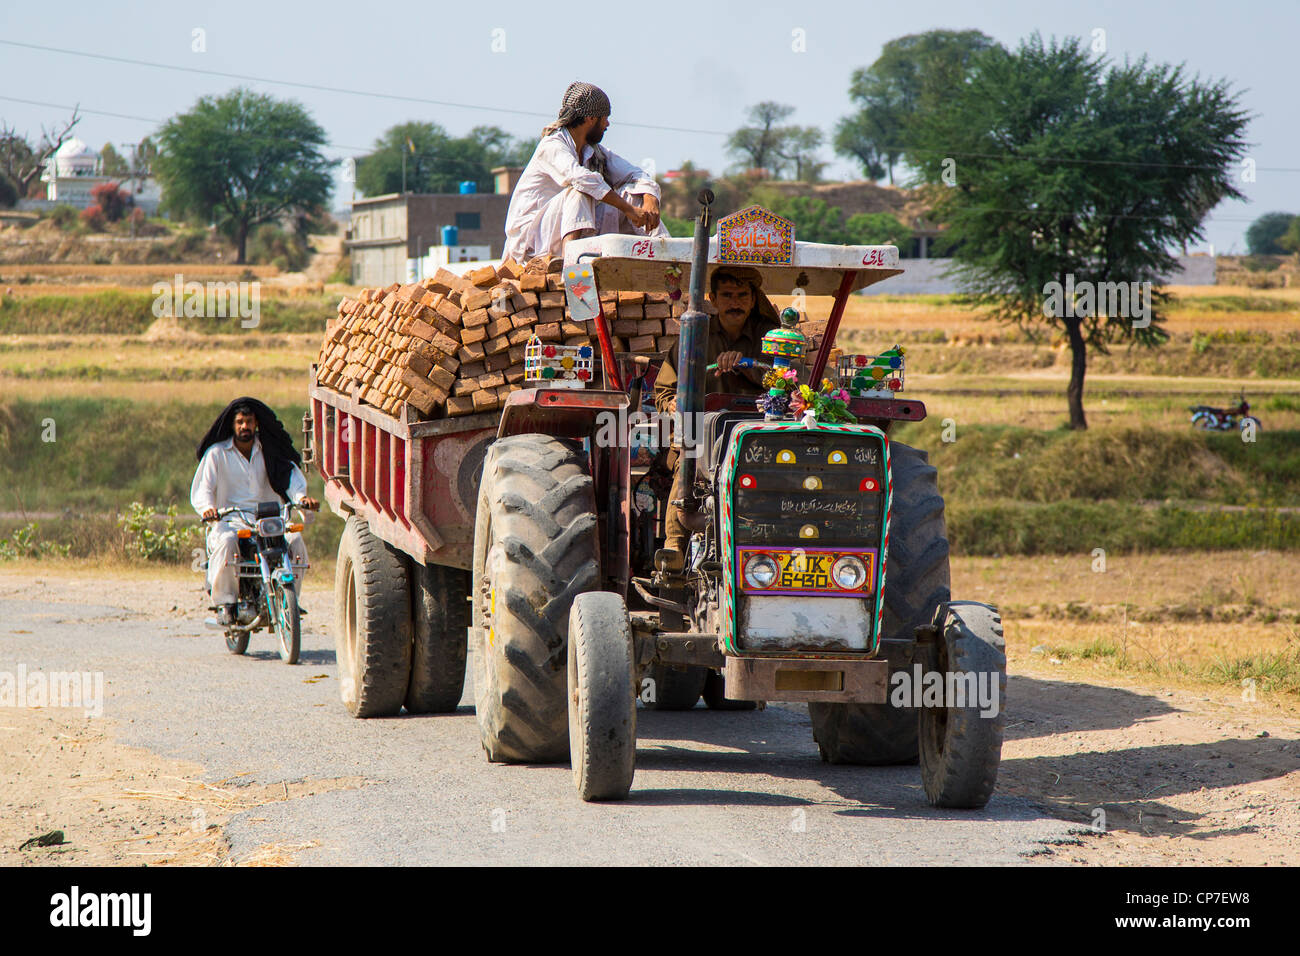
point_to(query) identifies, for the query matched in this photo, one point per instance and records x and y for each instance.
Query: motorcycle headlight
(761, 571)
(849, 573)
(270, 527)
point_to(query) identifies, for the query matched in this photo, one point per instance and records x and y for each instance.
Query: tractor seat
(718, 427)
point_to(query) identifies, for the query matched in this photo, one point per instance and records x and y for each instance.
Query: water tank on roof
(450, 235)
(468, 186)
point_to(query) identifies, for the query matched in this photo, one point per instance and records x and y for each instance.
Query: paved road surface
(710, 788)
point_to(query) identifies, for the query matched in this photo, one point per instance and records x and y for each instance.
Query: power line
(332, 89)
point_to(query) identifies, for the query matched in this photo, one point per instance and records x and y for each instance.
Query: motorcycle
(268, 582)
(1223, 419)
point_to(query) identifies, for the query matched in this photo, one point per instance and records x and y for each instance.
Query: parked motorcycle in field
(268, 582)
(1223, 419)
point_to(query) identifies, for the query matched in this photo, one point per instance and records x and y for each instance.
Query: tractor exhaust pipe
(692, 360)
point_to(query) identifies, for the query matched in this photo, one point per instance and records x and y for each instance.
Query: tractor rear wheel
(916, 583)
(441, 603)
(535, 549)
(961, 747)
(676, 688)
(372, 623)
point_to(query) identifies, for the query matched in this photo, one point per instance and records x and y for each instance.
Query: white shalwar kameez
(558, 194)
(226, 479)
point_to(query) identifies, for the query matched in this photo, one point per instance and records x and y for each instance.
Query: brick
(650, 327)
(498, 362)
(551, 300)
(468, 336)
(516, 354)
(486, 401)
(418, 363)
(515, 374)
(472, 370)
(657, 310)
(577, 340)
(500, 326)
(551, 315)
(471, 353)
(491, 380)
(503, 392)
(499, 344)
(478, 299)
(524, 318)
(625, 326)
(641, 343)
(445, 344)
(482, 277)
(667, 343)
(672, 326)
(449, 310)
(630, 298)
(571, 328)
(462, 405)
(472, 320)
(520, 336)
(464, 386)
(548, 332)
(555, 281)
(531, 282)
(423, 330)
(509, 269)
(441, 377)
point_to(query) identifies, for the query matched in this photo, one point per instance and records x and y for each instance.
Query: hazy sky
(691, 66)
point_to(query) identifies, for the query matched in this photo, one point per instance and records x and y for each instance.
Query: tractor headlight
(270, 527)
(761, 571)
(849, 573)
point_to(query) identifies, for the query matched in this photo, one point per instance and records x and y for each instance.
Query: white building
(71, 173)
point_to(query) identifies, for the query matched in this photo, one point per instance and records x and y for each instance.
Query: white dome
(73, 148)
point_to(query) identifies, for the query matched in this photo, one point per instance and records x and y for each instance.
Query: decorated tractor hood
(753, 237)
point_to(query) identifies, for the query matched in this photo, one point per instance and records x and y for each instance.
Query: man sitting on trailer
(246, 457)
(742, 316)
(573, 187)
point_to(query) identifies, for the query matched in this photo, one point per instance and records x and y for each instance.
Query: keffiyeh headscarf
(581, 100)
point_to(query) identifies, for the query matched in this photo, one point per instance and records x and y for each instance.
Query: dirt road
(200, 757)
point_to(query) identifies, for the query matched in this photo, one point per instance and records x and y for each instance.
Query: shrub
(111, 200)
(92, 217)
(174, 541)
(24, 544)
(63, 215)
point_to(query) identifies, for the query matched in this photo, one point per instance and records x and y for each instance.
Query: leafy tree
(912, 73)
(111, 162)
(760, 143)
(858, 136)
(1072, 173)
(242, 159)
(876, 229)
(1262, 238)
(437, 162)
(800, 147)
(1290, 240)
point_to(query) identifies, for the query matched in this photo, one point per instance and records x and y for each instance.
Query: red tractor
(817, 569)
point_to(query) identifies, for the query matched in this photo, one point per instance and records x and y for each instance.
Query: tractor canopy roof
(639, 264)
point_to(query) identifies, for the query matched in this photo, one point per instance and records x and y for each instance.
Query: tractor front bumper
(835, 680)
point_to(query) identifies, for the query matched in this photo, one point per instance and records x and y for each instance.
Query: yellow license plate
(800, 570)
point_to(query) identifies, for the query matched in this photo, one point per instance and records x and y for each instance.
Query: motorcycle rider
(246, 457)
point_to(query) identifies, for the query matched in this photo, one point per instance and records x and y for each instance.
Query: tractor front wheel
(961, 746)
(602, 697)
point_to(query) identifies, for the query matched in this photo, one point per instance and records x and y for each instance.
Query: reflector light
(808, 531)
(837, 458)
(868, 484)
(786, 457)
(812, 483)
(747, 481)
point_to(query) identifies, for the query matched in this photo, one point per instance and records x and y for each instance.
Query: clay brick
(472, 320)
(642, 343)
(531, 282)
(500, 326)
(498, 362)
(650, 327)
(551, 300)
(491, 380)
(471, 353)
(473, 370)
(524, 318)
(499, 344)
(460, 405)
(484, 277)
(657, 310)
(474, 335)
(548, 332)
(486, 401)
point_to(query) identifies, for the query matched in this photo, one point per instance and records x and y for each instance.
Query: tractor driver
(740, 316)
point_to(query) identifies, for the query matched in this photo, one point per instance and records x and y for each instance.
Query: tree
(242, 159)
(799, 146)
(1289, 241)
(1263, 235)
(911, 73)
(761, 142)
(435, 161)
(876, 229)
(21, 161)
(858, 137)
(1072, 178)
(111, 162)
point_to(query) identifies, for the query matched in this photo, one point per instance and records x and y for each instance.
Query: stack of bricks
(454, 345)
(642, 321)
(449, 345)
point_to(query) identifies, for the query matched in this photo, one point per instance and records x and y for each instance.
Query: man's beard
(596, 135)
(244, 436)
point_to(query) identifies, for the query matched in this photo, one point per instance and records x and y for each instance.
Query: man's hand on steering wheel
(209, 514)
(309, 504)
